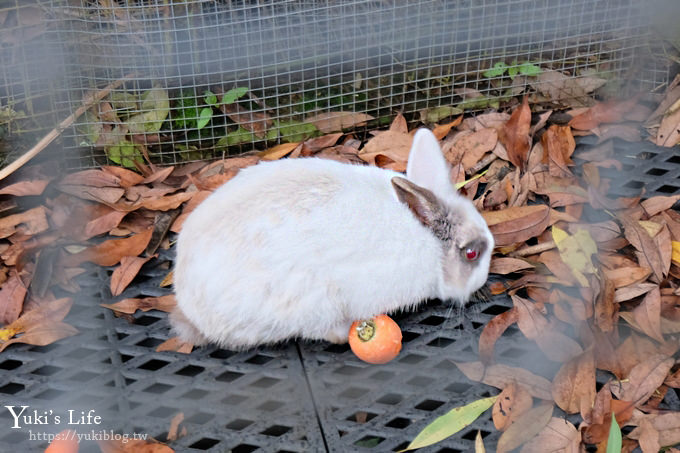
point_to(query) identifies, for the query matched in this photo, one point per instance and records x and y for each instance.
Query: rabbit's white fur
(303, 247)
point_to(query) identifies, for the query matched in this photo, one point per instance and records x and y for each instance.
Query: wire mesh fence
(209, 78)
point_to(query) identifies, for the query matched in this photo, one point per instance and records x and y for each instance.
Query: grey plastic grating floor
(295, 397)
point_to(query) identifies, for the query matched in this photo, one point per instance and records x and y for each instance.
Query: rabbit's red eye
(471, 254)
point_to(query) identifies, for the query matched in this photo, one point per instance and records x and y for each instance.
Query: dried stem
(533, 249)
(54, 133)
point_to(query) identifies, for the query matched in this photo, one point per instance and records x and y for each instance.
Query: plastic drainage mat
(297, 397)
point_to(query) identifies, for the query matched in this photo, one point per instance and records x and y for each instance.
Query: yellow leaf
(652, 228)
(576, 251)
(6, 334)
(167, 281)
(676, 251)
(278, 151)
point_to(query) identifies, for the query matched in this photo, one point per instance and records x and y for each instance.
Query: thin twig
(533, 249)
(54, 133)
(481, 164)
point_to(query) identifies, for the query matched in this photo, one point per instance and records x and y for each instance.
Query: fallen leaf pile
(594, 280)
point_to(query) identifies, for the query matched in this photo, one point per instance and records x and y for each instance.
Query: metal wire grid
(30, 76)
(293, 397)
(301, 58)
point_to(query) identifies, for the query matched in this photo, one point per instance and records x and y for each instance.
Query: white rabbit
(301, 248)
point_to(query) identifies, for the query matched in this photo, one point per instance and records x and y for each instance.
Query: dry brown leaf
(668, 134)
(665, 246)
(518, 223)
(110, 252)
(470, 148)
(603, 112)
(52, 311)
(558, 435)
(103, 223)
(649, 255)
(126, 272)
(160, 175)
(92, 178)
(534, 325)
(525, 428)
(504, 265)
(31, 222)
(399, 124)
(99, 194)
(605, 310)
(126, 178)
(443, 130)
(648, 437)
(599, 231)
(12, 295)
(174, 344)
(25, 188)
(597, 421)
(515, 135)
(318, 143)
(644, 379)
(633, 291)
(338, 121)
(129, 306)
(492, 332)
(166, 203)
(553, 261)
(574, 385)
(394, 145)
(558, 87)
(647, 315)
(667, 425)
(256, 122)
(278, 151)
(624, 276)
(511, 403)
(628, 132)
(559, 145)
(492, 119)
(42, 333)
(500, 376)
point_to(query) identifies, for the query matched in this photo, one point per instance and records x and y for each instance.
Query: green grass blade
(450, 423)
(614, 441)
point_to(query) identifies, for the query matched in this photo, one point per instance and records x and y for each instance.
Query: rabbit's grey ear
(423, 204)
(427, 166)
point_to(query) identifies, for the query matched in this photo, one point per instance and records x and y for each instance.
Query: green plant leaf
(450, 423)
(236, 137)
(529, 69)
(186, 113)
(436, 114)
(513, 71)
(295, 131)
(204, 117)
(90, 126)
(123, 100)
(155, 108)
(481, 102)
(125, 153)
(614, 441)
(498, 70)
(232, 95)
(210, 98)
